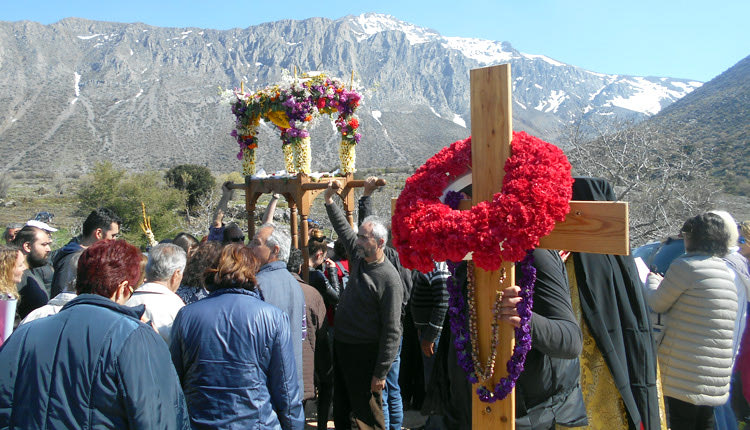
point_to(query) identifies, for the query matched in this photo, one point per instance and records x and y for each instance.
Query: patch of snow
(484, 51)
(74, 101)
(606, 113)
(648, 95)
(538, 86)
(144, 70)
(209, 44)
(523, 106)
(601, 75)
(139, 93)
(76, 88)
(687, 86)
(98, 44)
(458, 120)
(131, 52)
(88, 37)
(543, 58)
(553, 103)
(435, 112)
(201, 33)
(377, 114)
(293, 43)
(258, 64)
(593, 96)
(145, 31)
(373, 23)
(587, 109)
(183, 36)
(187, 32)
(13, 120)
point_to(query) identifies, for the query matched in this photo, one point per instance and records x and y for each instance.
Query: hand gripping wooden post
(598, 227)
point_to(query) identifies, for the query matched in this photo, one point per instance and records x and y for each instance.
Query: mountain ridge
(146, 97)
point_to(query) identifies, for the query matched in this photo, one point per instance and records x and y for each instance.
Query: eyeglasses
(741, 240)
(237, 239)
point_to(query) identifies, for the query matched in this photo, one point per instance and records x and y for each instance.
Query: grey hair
(730, 225)
(163, 260)
(278, 237)
(379, 230)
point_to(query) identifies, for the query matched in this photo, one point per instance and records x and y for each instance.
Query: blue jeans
(393, 407)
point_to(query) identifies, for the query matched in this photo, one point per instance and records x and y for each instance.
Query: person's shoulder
(311, 294)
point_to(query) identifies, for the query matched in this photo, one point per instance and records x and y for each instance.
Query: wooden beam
(491, 134)
(597, 227)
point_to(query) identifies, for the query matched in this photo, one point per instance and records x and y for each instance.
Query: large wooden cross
(597, 227)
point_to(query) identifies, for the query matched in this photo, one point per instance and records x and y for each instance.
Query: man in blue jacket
(278, 287)
(94, 364)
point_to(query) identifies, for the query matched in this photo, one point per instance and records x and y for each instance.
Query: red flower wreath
(536, 193)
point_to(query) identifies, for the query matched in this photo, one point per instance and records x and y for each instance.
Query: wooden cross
(596, 227)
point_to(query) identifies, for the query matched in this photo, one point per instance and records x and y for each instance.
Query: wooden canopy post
(299, 191)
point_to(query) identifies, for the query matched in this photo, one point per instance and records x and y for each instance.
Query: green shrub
(196, 180)
(113, 188)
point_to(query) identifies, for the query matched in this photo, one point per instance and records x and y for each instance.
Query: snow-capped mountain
(146, 97)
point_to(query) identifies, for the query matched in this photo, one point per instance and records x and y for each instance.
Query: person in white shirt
(166, 264)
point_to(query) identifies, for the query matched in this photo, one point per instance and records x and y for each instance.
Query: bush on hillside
(196, 180)
(113, 188)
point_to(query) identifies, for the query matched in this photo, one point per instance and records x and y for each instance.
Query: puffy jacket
(233, 354)
(699, 297)
(280, 289)
(93, 365)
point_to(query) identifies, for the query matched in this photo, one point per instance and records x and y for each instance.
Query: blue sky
(692, 39)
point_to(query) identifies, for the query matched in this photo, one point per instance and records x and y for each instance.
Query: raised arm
(338, 220)
(226, 196)
(365, 202)
(270, 209)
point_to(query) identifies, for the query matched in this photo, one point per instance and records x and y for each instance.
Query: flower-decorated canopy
(291, 108)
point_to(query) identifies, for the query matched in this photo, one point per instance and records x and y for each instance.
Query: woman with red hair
(94, 364)
(233, 353)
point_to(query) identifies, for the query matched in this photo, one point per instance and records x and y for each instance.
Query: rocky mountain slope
(717, 117)
(146, 97)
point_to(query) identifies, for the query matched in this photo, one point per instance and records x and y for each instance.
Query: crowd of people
(224, 332)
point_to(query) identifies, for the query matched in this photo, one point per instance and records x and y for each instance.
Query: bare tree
(664, 178)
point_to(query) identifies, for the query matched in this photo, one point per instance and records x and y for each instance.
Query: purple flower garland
(459, 326)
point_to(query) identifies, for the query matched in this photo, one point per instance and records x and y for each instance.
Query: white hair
(278, 237)
(163, 260)
(379, 230)
(730, 225)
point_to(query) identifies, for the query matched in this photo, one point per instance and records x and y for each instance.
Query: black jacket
(547, 392)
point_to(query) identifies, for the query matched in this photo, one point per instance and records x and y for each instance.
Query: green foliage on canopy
(196, 180)
(113, 188)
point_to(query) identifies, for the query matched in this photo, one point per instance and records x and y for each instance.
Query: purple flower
(458, 312)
